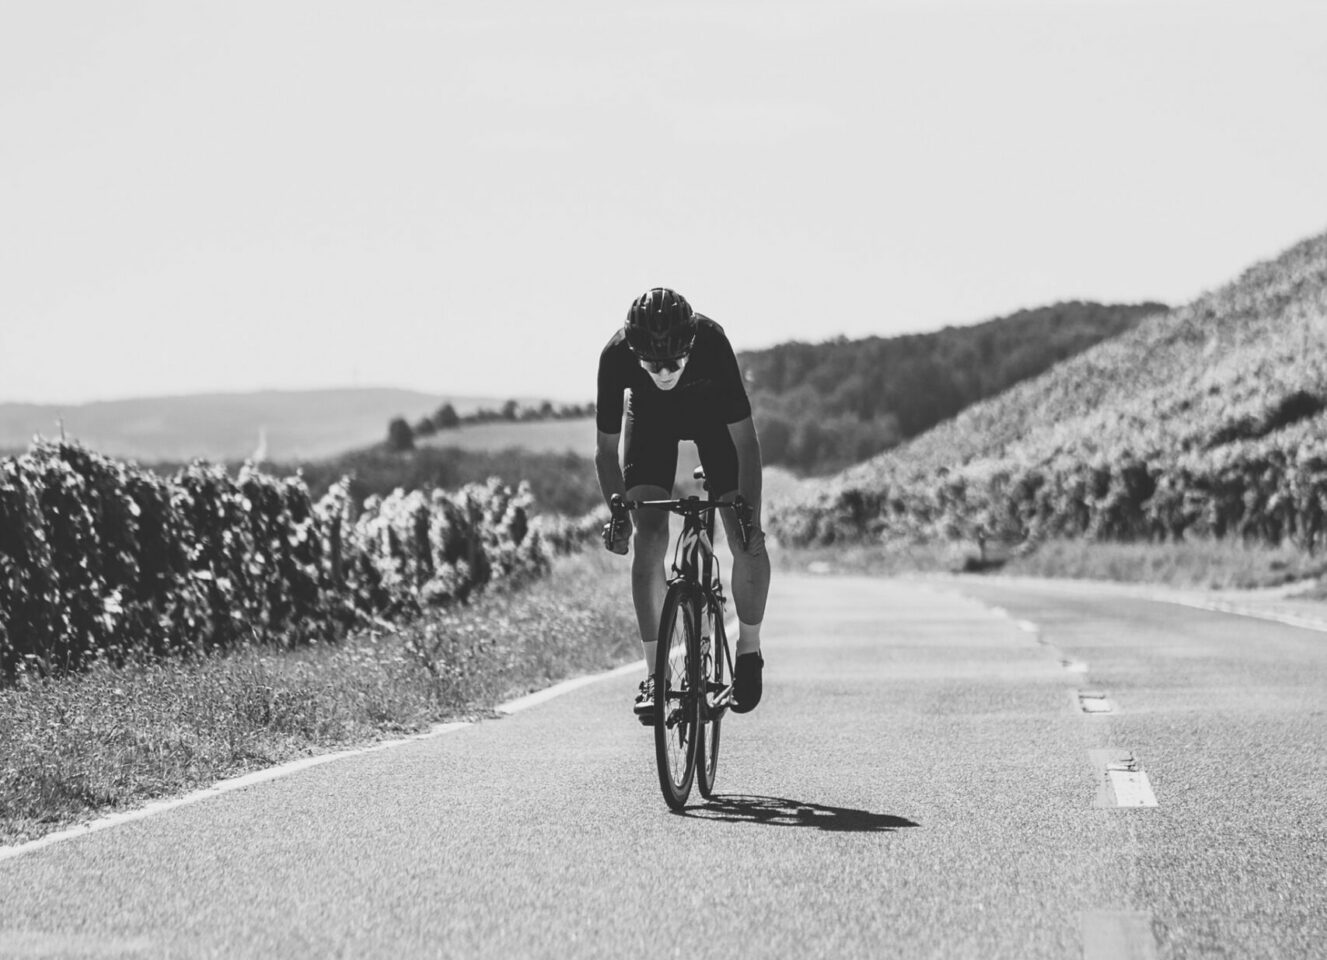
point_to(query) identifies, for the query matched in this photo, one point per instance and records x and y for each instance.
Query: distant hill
(1211, 417)
(821, 407)
(289, 425)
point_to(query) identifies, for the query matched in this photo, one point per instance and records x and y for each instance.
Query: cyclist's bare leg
(648, 582)
(750, 581)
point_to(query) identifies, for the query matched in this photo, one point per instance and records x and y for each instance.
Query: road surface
(958, 768)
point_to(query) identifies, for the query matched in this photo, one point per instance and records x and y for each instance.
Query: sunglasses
(665, 366)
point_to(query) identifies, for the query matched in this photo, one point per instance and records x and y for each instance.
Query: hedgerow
(102, 559)
(1265, 491)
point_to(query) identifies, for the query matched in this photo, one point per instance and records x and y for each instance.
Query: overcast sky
(464, 197)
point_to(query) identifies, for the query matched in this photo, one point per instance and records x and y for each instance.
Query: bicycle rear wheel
(714, 674)
(676, 702)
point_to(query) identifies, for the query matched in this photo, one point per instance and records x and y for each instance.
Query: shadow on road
(782, 812)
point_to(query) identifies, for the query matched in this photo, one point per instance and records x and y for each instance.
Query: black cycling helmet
(660, 325)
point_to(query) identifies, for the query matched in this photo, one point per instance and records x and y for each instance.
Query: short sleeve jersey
(709, 392)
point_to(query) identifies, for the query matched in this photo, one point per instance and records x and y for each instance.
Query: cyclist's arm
(608, 466)
(749, 467)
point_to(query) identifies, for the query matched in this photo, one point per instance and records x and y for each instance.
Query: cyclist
(679, 376)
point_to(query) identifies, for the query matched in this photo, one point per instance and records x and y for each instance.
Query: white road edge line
(1222, 606)
(566, 686)
(295, 766)
(217, 789)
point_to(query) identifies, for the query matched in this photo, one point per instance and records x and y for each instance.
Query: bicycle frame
(695, 565)
(693, 685)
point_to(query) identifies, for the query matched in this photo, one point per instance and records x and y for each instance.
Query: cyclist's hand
(617, 535)
(617, 531)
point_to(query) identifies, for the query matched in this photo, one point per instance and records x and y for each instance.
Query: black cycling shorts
(650, 449)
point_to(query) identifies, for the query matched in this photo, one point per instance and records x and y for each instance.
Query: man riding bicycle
(680, 378)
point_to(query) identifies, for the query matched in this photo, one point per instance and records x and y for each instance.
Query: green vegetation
(1206, 421)
(538, 436)
(559, 483)
(401, 435)
(116, 737)
(538, 454)
(821, 407)
(99, 559)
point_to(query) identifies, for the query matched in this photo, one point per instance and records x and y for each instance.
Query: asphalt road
(921, 780)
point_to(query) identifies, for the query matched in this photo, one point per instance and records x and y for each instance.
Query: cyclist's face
(665, 373)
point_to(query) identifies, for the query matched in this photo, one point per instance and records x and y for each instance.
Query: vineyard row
(1270, 490)
(100, 558)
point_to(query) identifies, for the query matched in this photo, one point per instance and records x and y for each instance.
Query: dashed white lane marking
(1094, 701)
(295, 766)
(1118, 935)
(1132, 788)
(1027, 626)
(1121, 780)
(1073, 666)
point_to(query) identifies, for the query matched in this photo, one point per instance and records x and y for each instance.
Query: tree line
(401, 434)
(822, 407)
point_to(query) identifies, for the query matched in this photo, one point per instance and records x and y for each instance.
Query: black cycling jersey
(710, 390)
(708, 396)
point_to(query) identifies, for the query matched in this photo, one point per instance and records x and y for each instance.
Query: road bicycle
(693, 671)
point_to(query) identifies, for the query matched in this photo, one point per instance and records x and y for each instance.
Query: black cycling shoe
(644, 706)
(747, 683)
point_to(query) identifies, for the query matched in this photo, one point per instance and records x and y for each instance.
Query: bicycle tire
(714, 667)
(676, 704)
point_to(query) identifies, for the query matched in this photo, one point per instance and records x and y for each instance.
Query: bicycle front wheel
(676, 698)
(714, 681)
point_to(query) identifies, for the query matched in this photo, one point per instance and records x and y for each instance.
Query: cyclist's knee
(651, 530)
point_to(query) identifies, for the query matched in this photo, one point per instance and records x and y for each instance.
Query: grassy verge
(1197, 564)
(114, 738)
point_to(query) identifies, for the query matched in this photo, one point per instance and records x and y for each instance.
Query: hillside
(224, 426)
(1208, 417)
(821, 407)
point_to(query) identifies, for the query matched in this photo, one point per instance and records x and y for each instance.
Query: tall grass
(115, 737)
